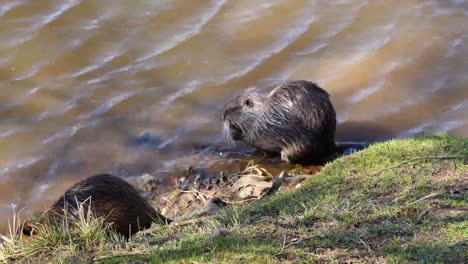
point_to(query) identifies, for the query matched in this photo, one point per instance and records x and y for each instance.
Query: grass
(77, 241)
(397, 201)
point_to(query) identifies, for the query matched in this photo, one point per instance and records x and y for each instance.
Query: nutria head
(108, 197)
(295, 119)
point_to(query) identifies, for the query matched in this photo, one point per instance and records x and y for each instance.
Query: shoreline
(400, 200)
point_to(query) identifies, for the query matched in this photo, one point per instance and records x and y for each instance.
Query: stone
(147, 183)
(251, 187)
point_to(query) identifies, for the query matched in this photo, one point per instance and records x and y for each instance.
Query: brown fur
(107, 196)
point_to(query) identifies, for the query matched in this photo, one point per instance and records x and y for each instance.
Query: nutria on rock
(107, 196)
(296, 119)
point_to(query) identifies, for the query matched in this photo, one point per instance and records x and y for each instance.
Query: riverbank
(398, 201)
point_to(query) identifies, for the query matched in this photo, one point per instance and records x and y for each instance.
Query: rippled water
(81, 82)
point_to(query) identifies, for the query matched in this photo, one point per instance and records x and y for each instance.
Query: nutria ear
(29, 230)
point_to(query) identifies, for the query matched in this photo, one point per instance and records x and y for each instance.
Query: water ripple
(452, 50)
(4, 8)
(290, 37)
(110, 103)
(251, 14)
(21, 99)
(46, 19)
(432, 127)
(100, 62)
(189, 88)
(8, 133)
(69, 132)
(67, 5)
(345, 23)
(459, 106)
(364, 93)
(312, 49)
(20, 164)
(179, 38)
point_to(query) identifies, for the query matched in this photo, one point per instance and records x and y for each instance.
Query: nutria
(110, 197)
(295, 119)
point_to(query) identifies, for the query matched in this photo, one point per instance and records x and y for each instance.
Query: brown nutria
(109, 197)
(296, 119)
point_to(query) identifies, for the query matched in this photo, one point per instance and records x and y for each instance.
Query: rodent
(109, 197)
(296, 119)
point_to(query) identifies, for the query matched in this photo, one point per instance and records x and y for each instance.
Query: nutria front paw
(285, 156)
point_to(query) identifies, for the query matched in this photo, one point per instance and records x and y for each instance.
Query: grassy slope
(364, 207)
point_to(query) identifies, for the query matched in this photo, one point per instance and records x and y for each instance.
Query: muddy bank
(232, 178)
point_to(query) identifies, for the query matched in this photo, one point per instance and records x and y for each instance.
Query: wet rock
(283, 174)
(251, 187)
(296, 179)
(180, 204)
(219, 233)
(276, 185)
(146, 139)
(212, 207)
(183, 184)
(185, 200)
(200, 181)
(147, 183)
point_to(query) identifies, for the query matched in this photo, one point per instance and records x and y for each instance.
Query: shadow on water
(353, 131)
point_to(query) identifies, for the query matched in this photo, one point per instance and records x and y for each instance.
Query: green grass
(392, 202)
(77, 241)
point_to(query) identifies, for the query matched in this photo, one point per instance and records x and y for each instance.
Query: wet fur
(295, 119)
(110, 197)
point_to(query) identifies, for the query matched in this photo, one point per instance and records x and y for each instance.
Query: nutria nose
(227, 111)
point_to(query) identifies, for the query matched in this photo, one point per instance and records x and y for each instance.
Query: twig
(368, 248)
(296, 241)
(424, 198)
(176, 224)
(284, 243)
(417, 159)
(242, 201)
(119, 256)
(192, 221)
(200, 195)
(290, 244)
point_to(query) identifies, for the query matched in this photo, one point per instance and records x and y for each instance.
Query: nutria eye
(249, 103)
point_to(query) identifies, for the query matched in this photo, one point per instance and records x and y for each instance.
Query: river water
(131, 87)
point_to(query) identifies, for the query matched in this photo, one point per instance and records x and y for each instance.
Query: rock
(183, 184)
(251, 187)
(147, 183)
(180, 204)
(218, 233)
(296, 179)
(146, 139)
(210, 208)
(283, 174)
(276, 184)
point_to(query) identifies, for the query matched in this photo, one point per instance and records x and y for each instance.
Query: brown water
(82, 81)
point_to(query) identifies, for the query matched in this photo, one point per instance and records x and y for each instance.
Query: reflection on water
(81, 82)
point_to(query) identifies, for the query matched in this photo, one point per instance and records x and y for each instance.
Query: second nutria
(296, 119)
(109, 197)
